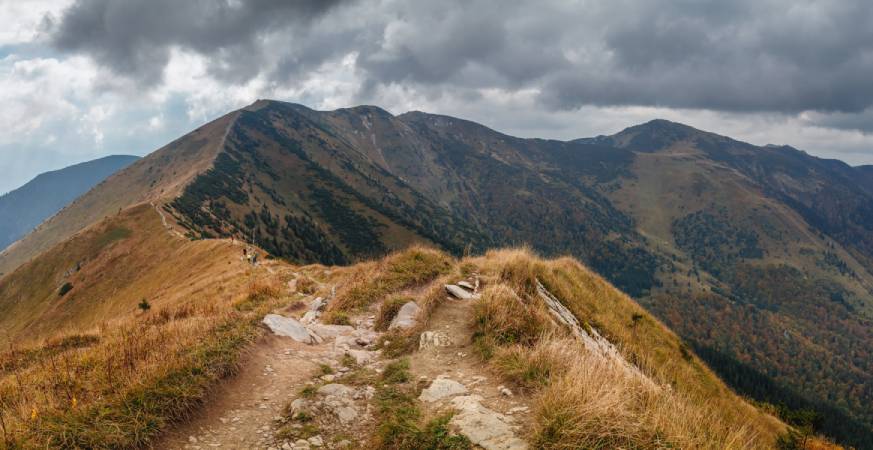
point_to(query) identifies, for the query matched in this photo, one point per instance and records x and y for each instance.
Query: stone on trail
(459, 292)
(433, 339)
(309, 317)
(318, 304)
(484, 427)
(442, 388)
(286, 326)
(405, 317)
(339, 390)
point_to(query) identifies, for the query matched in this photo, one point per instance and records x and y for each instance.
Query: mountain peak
(655, 135)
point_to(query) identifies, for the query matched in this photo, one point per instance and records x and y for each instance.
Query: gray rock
(363, 357)
(433, 339)
(442, 388)
(459, 292)
(316, 441)
(406, 317)
(309, 317)
(286, 326)
(318, 304)
(484, 427)
(466, 285)
(339, 390)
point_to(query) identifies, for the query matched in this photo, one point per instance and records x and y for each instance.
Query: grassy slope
(120, 384)
(122, 260)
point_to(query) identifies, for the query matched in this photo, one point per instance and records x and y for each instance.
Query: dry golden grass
(143, 373)
(119, 383)
(581, 398)
(405, 269)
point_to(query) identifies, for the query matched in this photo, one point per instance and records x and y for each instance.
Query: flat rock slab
(484, 427)
(292, 328)
(442, 388)
(466, 285)
(406, 316)
(459, 292)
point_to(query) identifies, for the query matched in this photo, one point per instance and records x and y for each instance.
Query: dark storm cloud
(134, 38)
(782, 56)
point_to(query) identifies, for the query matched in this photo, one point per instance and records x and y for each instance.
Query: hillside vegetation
(119, 375)
(757, 256)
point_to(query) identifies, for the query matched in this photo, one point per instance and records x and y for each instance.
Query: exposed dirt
(241, 412)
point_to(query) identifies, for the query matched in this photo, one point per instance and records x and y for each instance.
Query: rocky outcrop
(590, 337)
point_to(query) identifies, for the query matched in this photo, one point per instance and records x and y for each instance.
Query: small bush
(337, 318)
(66, 287)
(400, 427)
(396, 343)
(144, 305)
(396, 372)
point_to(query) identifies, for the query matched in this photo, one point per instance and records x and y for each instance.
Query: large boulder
(286, 326)
(406, 316)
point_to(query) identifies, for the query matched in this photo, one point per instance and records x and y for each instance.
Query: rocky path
(491, 415)
(297, 388)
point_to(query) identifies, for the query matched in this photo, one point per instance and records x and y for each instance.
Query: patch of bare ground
(240, 413)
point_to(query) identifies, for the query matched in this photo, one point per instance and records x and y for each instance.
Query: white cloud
(21, 20)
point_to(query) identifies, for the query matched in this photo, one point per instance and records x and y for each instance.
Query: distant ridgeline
(26, 207)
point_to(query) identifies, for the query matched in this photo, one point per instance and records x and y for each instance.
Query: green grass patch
(400, 426)
(396, 372)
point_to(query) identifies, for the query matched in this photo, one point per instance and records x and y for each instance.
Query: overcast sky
(81, 79)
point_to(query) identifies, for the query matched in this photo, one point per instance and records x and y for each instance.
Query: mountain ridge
(688, 222)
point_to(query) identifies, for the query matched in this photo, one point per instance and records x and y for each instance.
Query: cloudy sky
(81, 79)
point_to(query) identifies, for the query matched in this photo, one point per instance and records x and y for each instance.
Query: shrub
(144, 305)
(396, 372)
(66, 287)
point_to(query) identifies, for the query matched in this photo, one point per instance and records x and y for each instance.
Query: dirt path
(170, 229)
(249, 410)
(241, 413)
(495, 406)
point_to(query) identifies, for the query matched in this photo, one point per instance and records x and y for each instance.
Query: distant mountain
(760, 256)
(26, 207)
